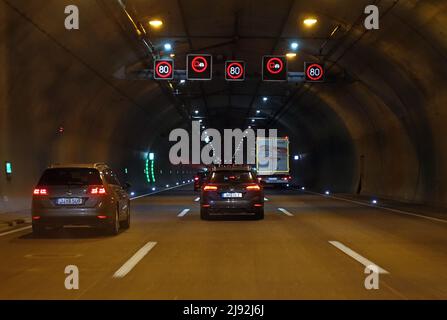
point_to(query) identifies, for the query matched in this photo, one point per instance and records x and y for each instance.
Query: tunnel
(373, 129)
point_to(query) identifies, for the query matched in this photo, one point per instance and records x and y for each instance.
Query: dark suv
(232, 190)
(80, 194)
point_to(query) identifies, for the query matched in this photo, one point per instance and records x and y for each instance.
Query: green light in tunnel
(8, 167)
(152, 171)
(146, 171)
(125, 170)
(151, 156)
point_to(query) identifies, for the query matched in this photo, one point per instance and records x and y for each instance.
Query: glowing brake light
(97, 190)
(210, 188)
(196, 178)
(40, 192)
(253, 187)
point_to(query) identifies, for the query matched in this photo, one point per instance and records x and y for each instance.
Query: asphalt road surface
(308, 247)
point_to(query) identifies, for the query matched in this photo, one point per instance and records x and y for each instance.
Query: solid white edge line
(133, 261)
(380, 207)
(155, 192)
(356, 256)
(197, 199)
(183, 212)
(14, 231)
(285, 212)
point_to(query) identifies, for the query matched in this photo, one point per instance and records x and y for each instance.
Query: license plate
(232, 195)
(69, 201)
(272, 179)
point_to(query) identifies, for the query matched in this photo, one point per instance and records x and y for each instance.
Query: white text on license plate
(69, 201)
(232, 195)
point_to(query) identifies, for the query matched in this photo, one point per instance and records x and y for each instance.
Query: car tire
(259, 214)
(126, 223)
(204, 214)
(38, 230)
(114, 228)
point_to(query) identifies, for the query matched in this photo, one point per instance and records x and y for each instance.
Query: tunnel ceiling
(381, 111)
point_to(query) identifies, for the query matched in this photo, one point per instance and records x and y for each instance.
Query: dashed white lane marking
(381, 207)
(356, 256)
(14, 231)
(197, 199)
(183, 212)
(133, 261)
(266, 199)
(285, 212)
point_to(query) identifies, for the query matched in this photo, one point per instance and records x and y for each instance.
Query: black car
(199, 179)
(232, 190)
(80, 194)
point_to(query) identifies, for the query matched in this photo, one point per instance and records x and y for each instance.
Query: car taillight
(40, 192)
(95, 190)
(254, 187)
(209, 188)
(196, 178)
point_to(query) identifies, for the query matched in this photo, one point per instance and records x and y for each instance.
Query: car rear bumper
(79, 217)
(233, 206)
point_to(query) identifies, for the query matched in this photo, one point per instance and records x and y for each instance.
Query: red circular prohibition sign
(272, 60)
(198, 60)
(162, 75)
(315, 66)
(237, 64)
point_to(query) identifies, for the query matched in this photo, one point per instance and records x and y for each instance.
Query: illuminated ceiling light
(249, 127)
(156, 23)
(294, 45)
(252, 120)
(290, 55)
(374, 201)
(309, 22)
(203, 127)
(182, 81)
(168, 46)
(258, 111)
(172, 55)
(196, 111)
(200, 121)
(327, 192)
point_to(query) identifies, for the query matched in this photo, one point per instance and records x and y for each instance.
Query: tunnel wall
(58, 107)
(392, 103)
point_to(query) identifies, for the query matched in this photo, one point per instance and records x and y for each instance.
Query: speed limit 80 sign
(314, 72)
(234, 70)
(163, 69)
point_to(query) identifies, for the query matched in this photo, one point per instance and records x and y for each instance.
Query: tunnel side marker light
(303, 188)
(133, 261)
(183, 213)
(153, 189)
(287, 213)
(132, 193)
(327, 193)
(374, 201)
(367, 263)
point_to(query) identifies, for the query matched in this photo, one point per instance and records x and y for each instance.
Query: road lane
(282, 256)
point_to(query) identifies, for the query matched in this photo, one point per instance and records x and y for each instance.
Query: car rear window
(70, 176)
(232, 176)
